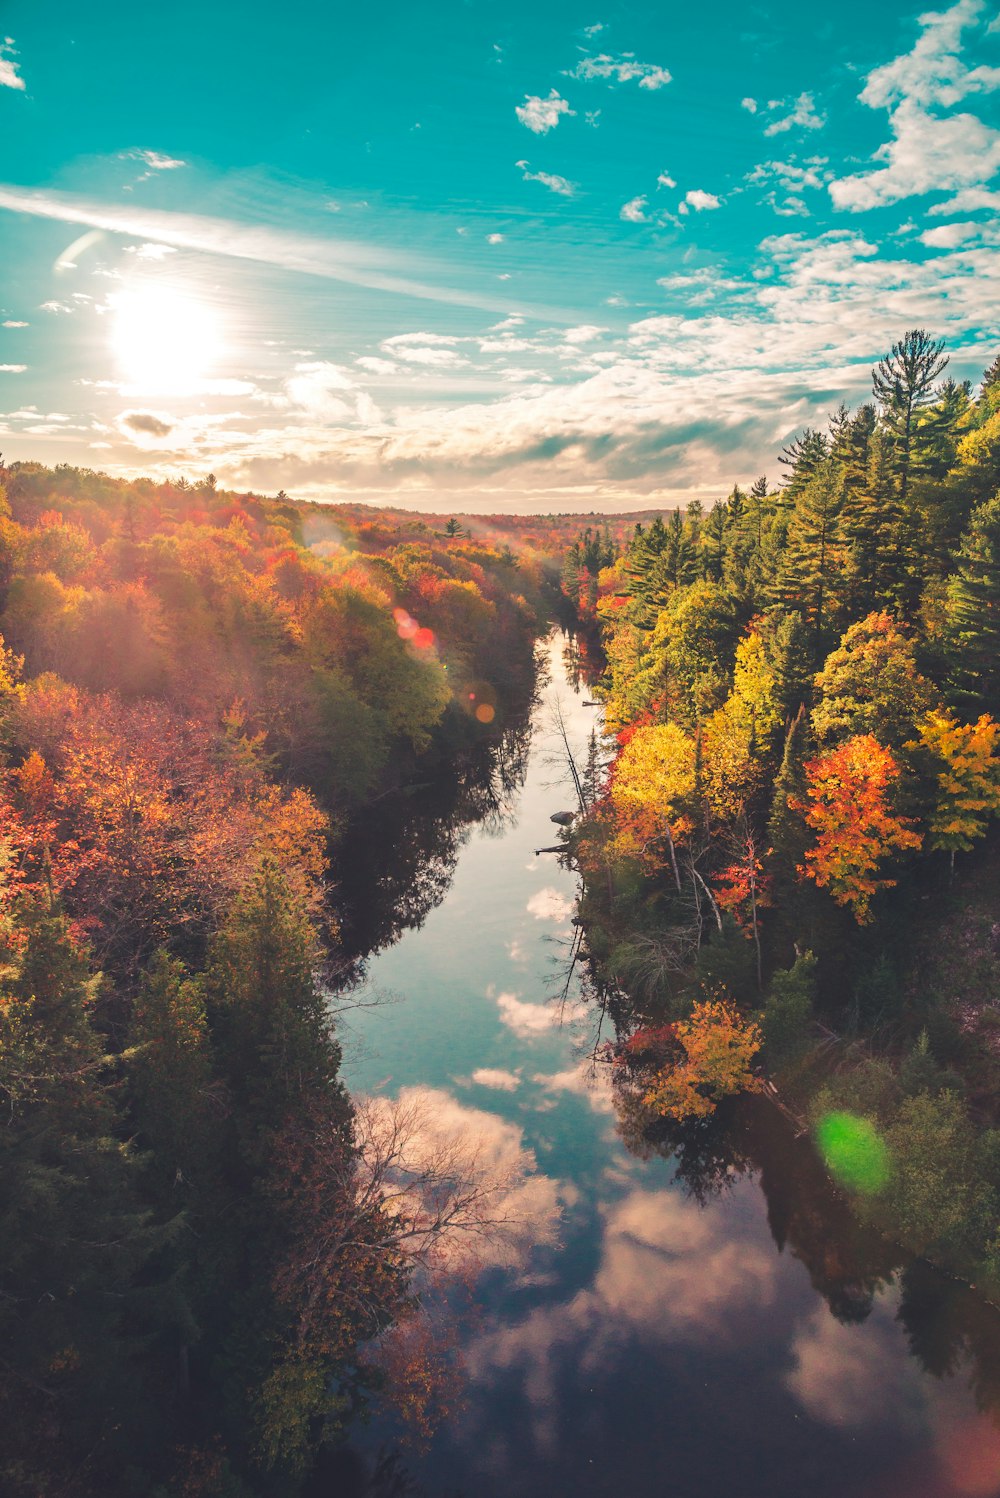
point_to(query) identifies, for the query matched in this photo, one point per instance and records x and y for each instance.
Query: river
(699, 1319)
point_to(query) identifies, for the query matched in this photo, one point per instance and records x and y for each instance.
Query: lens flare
(854, 1151)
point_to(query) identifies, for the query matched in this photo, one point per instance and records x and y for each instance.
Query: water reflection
(396, 865)
(712, 1320)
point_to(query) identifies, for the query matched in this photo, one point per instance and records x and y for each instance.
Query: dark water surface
(704, 1321)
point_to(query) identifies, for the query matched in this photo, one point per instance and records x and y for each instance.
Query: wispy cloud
(157, 161)
(12, 368)
(622, 69)
(14, 323)
(802, 115)
(9, 75)
(355, 262)
(542, 115)
(551, 180)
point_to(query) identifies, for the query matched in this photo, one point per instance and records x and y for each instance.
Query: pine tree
(872, 527)
(811, 564)
(803, 457)
(902, 384)
(974, 608)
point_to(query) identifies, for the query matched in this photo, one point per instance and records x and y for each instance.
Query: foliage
(718, 1048)
(849, 808)
(967, 760)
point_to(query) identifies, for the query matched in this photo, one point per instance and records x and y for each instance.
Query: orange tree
(849, 808)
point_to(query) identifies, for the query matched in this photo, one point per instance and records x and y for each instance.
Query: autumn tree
(652, 783)
(870, 684)
(717, 1049)
(848, 806)
(966, 764)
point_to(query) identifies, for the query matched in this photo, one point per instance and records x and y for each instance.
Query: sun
(165, 341)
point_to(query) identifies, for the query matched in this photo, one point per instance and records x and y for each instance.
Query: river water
(694, 1319)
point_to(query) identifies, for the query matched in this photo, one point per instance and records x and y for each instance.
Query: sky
(482, 257)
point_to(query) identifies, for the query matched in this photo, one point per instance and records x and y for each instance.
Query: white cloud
(528, 1020)
(928, 151)
(150, 251)
(549, 904)
(12, 368)
(14, 323)
(750, 105)
(9, 75)
(931, 72)
(377, 366)
(465, 1151)
(855, 1375)
(318, 387)
(701, 201)
(542, 115)
(802, 116)
(494, 239)
(496, 1078)
(583, 333)
(634, 211)
(623, 69)
(156, 161)
(590, 1080)
(926, 154)
(949, 236)
(593, 30)
(792, 179)
(552, 181)
(969, 200)
(665, 180)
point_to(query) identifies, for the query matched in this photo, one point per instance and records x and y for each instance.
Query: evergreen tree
(811, 564)
(872, 527)
(902, 384)
(974, 609)
(803, 457)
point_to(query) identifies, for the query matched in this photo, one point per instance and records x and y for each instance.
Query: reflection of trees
(583, 658)
(847, 1262)
(947, 1326)
(396, 862)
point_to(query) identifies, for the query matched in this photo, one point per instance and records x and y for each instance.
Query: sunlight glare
(165, 341)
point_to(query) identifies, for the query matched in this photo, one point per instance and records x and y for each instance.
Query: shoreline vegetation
(790, 853)
(212, 1257)
(214, 1260)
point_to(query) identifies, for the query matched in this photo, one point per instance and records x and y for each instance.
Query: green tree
(973, 608)
(903, 383)
(870, 684)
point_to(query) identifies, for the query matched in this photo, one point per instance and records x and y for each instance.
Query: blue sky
(479, 256)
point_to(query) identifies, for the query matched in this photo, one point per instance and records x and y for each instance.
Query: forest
(214, 1259)
(790, 857)
(201, 695)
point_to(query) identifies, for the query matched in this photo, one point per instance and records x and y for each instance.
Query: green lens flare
(854, 1151)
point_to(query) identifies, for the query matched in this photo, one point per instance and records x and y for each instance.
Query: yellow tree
(651, 789)
(719, 1048)
(967, 761)
(739, 735)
